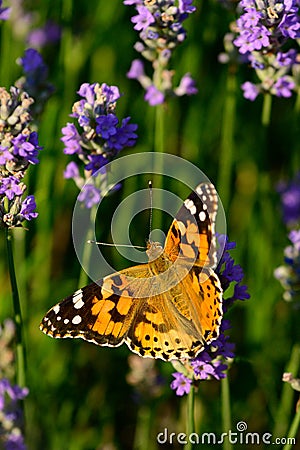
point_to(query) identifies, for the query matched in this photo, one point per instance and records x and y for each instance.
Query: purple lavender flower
(72, 171)
(71, 138)
(143, 19)
(26, 147)
(89, 195)
(28, 208)
(32, 61)
(186, 86)
(10, 186)
(283, 86)
(5, 155)
(290, 200)
(4, 12)
(153, 96)
(96, 163)
(98, 138)
(205, 368)
(11, 417)
(289, 273)
(125, 136)
(185, 6)
(107, 125)
(15, 441)
(290, 26)
(286, 58)
(161, 31)
(212, 362)
(264, 30)
(110, 93)
(294, 237)
(136, 70)
(19, 149)
(251, 91)
(202, 366)
(35, 79)
(182, 385)
(86, 91)
(48, 34)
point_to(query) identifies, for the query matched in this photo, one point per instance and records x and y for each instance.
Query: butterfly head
(154, 250)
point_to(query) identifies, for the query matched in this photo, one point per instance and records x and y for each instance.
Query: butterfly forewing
(192, 233)
(101, 312)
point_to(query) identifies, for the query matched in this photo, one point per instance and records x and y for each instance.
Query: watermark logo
(150, 164)
(239, 436)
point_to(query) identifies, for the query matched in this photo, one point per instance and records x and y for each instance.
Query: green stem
(159, 141)
(291, 437)
(190, 417)
(158, 169)
(142, 438)
(297, 103)
(226, 411)
(266, 111)
(20, 346)
(87, 250)
(227, 138)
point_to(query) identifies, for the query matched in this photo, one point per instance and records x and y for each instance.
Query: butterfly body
(168, 308)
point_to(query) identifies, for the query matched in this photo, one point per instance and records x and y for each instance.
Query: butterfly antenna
(90, 241)
(151, 207)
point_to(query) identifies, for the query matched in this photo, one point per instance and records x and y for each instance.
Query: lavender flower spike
(19, 148)
(213, 361)
(160, 31)
(11, 416)
(35, 79)
(289, 273)
(264, 30)
(96, 139)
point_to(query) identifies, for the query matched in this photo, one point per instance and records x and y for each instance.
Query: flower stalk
(226, 412)
(190, 417)
(20, 345)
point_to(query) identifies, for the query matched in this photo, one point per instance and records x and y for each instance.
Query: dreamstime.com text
(240, 436)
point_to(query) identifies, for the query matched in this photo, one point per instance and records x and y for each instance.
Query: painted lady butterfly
(168, 308)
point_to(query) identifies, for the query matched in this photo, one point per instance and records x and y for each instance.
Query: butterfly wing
(191, 243)
(192, 233)
(178, 323)
(115, 310)
(101, 312)
(160, 331)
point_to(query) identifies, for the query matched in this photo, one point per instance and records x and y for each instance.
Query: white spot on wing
(79, 304)
(77, 299)
(202, 216)
(190, 205)
(66, 321)
(76, 320)
(56, 309)
(77, 294)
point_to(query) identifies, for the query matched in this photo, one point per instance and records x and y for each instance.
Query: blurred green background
(79, 397)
